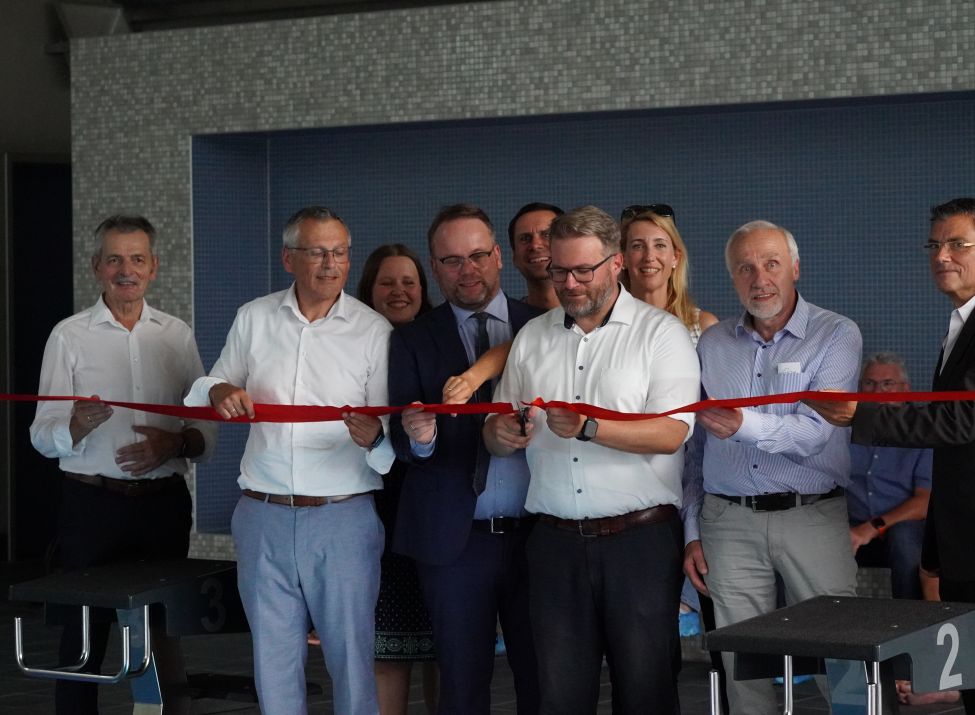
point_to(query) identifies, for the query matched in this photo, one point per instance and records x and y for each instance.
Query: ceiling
(143, 15)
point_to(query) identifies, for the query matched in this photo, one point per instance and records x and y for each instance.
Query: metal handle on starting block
(71, 672)
(715, 681)
(787, 704)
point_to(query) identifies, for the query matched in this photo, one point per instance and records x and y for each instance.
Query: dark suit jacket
(948, 427)
(437, 502)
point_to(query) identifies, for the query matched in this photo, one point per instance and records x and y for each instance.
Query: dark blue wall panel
(852, 180)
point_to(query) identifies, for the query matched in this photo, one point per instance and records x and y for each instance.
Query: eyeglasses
(637, 209)
(582, 274)
(478, 258)
(954, 246)
(339, 255)
(885, 385)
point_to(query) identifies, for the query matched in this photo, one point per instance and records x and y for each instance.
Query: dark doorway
(40, 279)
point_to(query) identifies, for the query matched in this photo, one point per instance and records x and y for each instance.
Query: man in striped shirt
(772, 502)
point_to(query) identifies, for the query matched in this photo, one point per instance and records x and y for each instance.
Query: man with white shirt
(306, 533)
(945, 426)
(124, 493)
(772, 504)
(604, 559)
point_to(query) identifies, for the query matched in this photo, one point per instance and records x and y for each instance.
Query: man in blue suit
(462, 512)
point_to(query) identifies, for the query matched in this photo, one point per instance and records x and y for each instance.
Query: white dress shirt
(640, 360)
(958, 317)
(92, 353)
(278, 357)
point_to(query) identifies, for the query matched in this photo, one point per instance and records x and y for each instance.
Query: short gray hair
(315, 213)
(124, 223)
(752, 227)
(886, 358)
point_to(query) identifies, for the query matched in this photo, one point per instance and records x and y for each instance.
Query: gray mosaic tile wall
(138, 99)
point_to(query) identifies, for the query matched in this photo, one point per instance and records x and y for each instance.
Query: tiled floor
(231, 654)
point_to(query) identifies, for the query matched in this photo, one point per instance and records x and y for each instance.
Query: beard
(766, 310)
(593, 303)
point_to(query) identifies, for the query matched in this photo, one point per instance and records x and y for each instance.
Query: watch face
(589, 428)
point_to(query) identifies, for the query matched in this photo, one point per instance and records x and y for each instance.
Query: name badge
(786, 368)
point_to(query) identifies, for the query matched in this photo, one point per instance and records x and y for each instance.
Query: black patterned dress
(403, 629)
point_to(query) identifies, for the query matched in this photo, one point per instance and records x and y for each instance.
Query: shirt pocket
(621, 390)
(787, 382)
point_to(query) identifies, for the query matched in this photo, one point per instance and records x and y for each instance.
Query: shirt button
(585, 340)
(580, 367)
(575, 459)
(578, 491)
(578, 397)
(759, 374)
(754, 466)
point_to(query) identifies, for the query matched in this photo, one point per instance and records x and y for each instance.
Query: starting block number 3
(216, 616)
(949, 680)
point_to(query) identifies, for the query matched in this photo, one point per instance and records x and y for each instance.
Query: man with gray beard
(773, 501)
(604, 558)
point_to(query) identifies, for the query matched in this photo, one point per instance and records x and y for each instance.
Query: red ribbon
(325, 413)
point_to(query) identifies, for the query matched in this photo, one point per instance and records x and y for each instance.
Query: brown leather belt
(609, 525)
(297, 500)
(127, 487)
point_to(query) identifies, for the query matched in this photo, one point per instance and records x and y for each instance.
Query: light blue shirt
(783, 447)
(507, 478)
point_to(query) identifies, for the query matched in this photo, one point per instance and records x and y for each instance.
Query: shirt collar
(964, 311)
(621, 311)
(796, 325)
(497, 308)
(289, 300)
(101, 313)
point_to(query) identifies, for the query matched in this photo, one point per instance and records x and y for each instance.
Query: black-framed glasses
(478, 258)
(955, 245)
(317, 253)
(582, 274)
(636, 209)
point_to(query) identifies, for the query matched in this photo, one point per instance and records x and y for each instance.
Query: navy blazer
(437, 501)
(948, 427)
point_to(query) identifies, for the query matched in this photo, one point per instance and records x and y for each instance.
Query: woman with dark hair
(393, 284)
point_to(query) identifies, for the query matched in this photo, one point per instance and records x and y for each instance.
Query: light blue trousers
(298, 567)
(808, 546)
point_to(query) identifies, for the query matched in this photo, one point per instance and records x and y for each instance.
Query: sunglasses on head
(637, 209)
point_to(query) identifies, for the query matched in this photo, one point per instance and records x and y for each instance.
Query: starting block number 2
(216, 616)
(949, 680)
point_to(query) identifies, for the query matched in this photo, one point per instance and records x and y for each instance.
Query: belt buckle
(581, 524)
(291, 500)
(498, 530)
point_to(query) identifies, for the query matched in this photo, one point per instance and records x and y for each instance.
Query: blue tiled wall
(853, 180)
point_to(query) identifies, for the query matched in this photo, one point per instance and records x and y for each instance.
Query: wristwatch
(378, 441)
(588, 430)
(879, 524)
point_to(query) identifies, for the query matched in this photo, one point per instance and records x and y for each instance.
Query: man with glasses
(305, 529)
(945, 426)
(462, 513)
(887, 498)
(605, 556)
(773, 475)
(528, 235)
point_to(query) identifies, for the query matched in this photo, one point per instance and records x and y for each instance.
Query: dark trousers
(609, 595)
(962, 592)
(95, 527)
(899, 549)
(466, 598)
